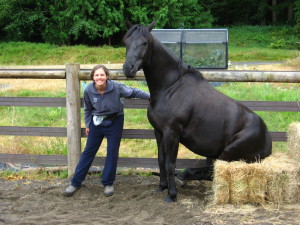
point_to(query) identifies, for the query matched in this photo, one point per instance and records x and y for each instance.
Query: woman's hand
(87, 130)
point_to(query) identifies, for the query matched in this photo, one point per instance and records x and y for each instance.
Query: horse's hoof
(169, 199)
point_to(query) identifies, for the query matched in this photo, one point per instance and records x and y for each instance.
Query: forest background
(99, 22)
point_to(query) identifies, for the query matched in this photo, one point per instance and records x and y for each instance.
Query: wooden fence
(73, 74)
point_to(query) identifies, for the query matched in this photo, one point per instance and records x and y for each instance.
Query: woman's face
(100, 77)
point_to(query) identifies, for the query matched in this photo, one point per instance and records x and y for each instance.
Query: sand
(134, 202)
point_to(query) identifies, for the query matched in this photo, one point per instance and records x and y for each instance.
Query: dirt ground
(134, 202)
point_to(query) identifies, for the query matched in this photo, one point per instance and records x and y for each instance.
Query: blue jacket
(96, 104)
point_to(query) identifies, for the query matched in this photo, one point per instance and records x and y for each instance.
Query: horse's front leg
(170, 143)
(163, 183)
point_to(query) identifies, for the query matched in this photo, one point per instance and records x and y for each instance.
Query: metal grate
(200, 48)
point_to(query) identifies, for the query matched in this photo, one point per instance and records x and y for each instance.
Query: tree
(194, 15)
(169, 13)
(56, 30)
(23, 20)
(85, 22)
(95, 22)
(112, 19)
(297, 16)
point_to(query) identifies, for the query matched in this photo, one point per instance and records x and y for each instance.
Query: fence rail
(117, 74)
(72, 102)
(60, 160)
(127, 133)
(286, 106)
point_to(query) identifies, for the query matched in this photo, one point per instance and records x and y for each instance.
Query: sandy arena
(134, 202)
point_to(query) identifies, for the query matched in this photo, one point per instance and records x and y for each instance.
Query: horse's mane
(185, 69)
(143, 30)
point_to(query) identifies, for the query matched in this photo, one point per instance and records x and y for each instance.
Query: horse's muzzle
(129, 70)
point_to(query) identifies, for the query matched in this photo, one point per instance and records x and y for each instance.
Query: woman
(104, 117)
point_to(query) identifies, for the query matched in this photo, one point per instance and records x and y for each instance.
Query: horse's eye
(144, 43)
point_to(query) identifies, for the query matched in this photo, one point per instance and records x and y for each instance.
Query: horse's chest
(160, 117)
(154, 116)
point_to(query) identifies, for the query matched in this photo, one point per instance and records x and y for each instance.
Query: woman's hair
(99, 67)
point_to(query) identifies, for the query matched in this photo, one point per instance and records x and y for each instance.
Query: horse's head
(137, 41)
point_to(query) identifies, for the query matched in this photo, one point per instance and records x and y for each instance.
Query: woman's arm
(130, 92)
(88, 107)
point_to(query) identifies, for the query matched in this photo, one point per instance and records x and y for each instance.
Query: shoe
(70, 190)
(109, 190)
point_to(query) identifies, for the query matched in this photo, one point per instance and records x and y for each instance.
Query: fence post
(73, 116)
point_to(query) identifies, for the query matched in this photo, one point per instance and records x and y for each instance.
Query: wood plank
(60, 160)
(33, 74)
(33, 101)
(127, 133)
(220, 76)
(131, 133)
(117, 74)
(276, 106)
(279, 136)
(279, 106)
(33, 131)
(40, 160)
(252, 76)
(136, 103)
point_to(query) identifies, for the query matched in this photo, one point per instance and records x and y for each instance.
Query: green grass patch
(262, 43)
(248, 54)
(275, 37)
(39, 174)
(246, 43)
(25, 53)
(261, 91)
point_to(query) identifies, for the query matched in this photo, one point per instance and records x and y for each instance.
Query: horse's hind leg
(202, 173)
(247, 146)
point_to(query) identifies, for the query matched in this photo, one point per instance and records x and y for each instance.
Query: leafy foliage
(297, 16)
(98, 22)
(93, 21)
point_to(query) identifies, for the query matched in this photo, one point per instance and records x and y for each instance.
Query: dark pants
(113, 133)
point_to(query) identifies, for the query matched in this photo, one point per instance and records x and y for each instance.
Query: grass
(39, 174)
(61, 173)
(262, 43)
(275, 37)
(25, 53)
(245, 44)
(245, 54)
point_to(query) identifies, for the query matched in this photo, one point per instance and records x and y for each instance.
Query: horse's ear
(128, 23)
(151, 25)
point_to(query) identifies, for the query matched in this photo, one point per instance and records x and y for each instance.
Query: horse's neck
(161, 71)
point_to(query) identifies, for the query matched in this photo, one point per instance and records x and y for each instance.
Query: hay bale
(239, 182)
(275, 180)
(283, 175)
(221, 182)
(293, 143)
(257, 181)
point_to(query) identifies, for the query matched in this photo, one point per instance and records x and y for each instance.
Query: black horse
(185, 108)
